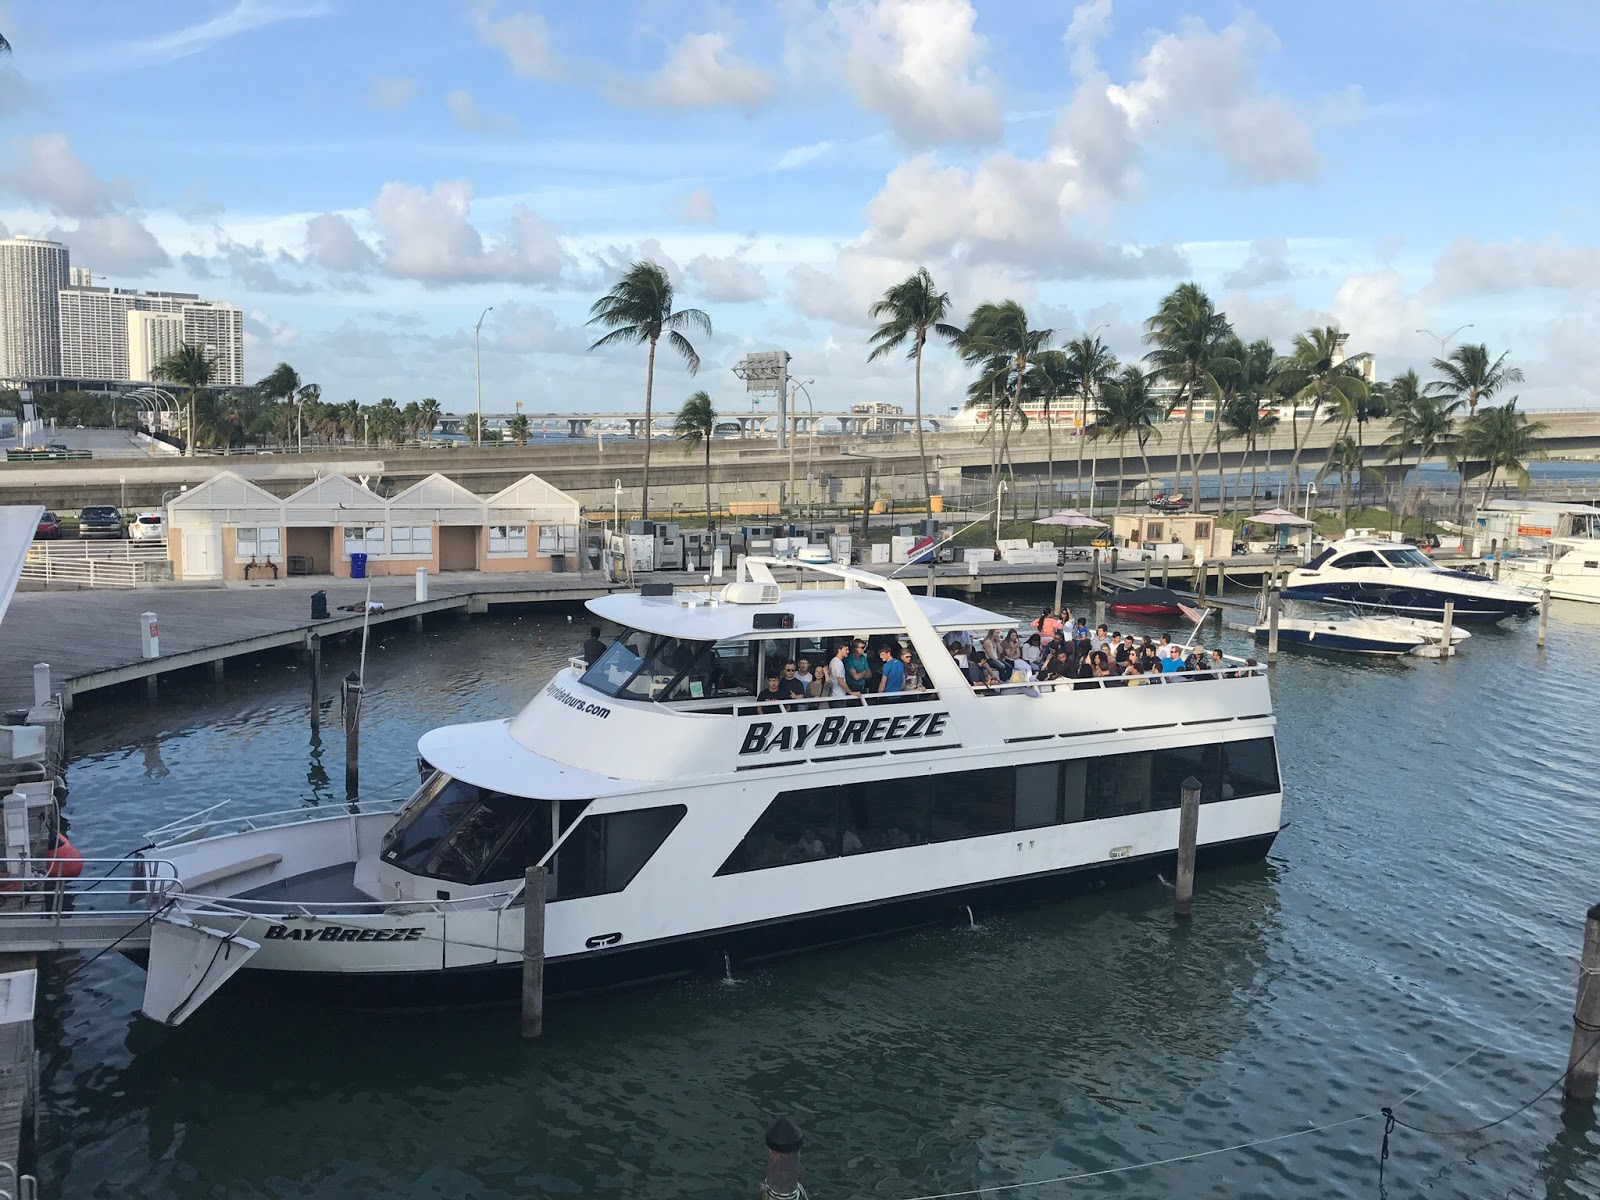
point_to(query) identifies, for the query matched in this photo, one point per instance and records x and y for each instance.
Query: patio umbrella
(1283, 519)
(1071, 518)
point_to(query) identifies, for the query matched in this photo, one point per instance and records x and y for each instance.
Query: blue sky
(364, 178)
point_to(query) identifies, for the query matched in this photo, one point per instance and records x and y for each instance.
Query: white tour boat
(1573, 573)
(680, 820)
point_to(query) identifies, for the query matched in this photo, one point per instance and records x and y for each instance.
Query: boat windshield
(1405, 556)
(461, 833)
(643, 666)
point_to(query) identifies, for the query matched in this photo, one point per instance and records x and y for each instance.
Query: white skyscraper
(96, 331)
(151, 337)
(32, 272)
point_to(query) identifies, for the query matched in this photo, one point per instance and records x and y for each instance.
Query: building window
(258, 542)
(411, 541)
(604, 853)
(363, 539)
(508, 539)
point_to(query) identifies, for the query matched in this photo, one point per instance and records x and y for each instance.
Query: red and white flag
(1194, 614)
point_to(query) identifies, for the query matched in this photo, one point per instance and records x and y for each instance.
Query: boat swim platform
(91, 638)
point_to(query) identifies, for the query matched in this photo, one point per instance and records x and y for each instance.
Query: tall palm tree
(1247, 417)
(1419, 421)
(1186, 335)
(411, 415)
(1502, 439)
(1052, 377)
(386, 421)
(638, 311)
(1127, 408)
(1090, 360)
(1315, 373)
(428, 410)
(519, 429)
(997, 337)
(909, 311)
(5, 46)
(1344, 460)
(189, 366)
(1469, 376)
(696, 425)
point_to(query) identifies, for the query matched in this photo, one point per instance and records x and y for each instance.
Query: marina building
(102, 336)
(229, 528)
(32, 272)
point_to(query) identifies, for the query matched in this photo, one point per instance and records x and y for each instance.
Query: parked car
(147, 527)
(49, 527)
(100, 520)
(58, 446)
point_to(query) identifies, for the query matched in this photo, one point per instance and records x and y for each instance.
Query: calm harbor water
(1426, 898)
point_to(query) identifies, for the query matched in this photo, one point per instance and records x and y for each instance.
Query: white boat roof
(1581, 510)
(837, 611)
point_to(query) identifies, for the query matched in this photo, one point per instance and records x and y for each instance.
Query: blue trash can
(358, 566)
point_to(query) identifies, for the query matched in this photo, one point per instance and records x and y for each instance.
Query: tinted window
(605, 852)
(1362, 558)
(797, 827)
(495, 820)
(1249, 769)
(1038, 799)
(1321, 558)
(99, 510)
(1119, 784)
(1171, 767)
(418, 835)
(972, 803)
(884, 815)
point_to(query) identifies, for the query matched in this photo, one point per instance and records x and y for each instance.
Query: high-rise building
(96, 329)
(32, 272)
(80, 277)
(151, 337)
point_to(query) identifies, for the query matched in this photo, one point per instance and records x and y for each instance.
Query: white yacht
(1392, 577)
(681, 820)
(1573, 572)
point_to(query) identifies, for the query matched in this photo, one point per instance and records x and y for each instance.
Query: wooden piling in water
(1061, 578)
(784, 1143)
(1274, 601)
(1449, 620)
(352, 735)
(533, 952)
(314, 667)
(1147, 572)
(1188, 837)
(1583, 1060)
(1544, 611)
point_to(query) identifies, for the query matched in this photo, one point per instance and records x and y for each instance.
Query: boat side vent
(750, 592)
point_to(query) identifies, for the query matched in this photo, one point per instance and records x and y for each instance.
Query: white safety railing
(90, 572)
(110, 551)
(203, 824)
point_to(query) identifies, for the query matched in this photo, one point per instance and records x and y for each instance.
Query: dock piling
(1583, 1060)
(1147, 572)
(352, 735)
(1166, 572)
(314, 667)
(1274, 602)
(1544, 610)
(1188, 836)
(1061, 573)
(1449, 621)
(41, 684)
(784, 1143)
(533, 951)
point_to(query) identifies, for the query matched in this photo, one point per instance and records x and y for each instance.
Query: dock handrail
(153, 882)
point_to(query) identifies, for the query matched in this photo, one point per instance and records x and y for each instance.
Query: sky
(364, 178)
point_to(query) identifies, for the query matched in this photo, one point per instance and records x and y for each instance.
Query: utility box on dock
(149, 635)
(21, 743)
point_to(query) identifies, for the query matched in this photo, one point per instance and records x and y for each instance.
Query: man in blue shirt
(894, 672)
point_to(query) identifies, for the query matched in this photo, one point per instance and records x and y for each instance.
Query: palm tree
(1418, 420)
(519, 429)
(696, 425)
(1091, 362)
(1502, 439)
(1469, 375)
(1128, 409)
(638, 310)
(1186, 334)
(411, 415)
(1344, 459)
(1246, 417)
(1050, 378)
(189, 366)
(428, 410)
(910, 310)
(386, 421)
(5, 46)
(1315, 373)
(997, 337)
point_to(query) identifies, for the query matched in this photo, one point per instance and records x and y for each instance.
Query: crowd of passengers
(1059, 648)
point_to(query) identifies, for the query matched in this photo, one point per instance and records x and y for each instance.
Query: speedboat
(1163, 503)
(1395, 578)
(1573, 574)
(677, 820)
(1145, 602)
(1359, 633)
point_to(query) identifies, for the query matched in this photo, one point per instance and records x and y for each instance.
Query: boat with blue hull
(1382, 576)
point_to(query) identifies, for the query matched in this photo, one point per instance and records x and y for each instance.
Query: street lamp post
(299, 427)
(477, 367)
(1311, 494)
(1447, 338)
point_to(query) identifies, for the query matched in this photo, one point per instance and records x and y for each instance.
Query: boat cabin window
(1361, 558)
(461, 833)
(605, 852)
(643, 666)
(1405, 556)
(1321, 558)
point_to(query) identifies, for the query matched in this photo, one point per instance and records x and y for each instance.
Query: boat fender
(65, 861)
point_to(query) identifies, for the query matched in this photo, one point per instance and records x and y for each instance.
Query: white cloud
(391, 92)
(245, 16)
(1473, 268)
(799, 156)
(916, 63)
(701, 71)
(333, 243)
(522, 37)
(15, 94)
(115, 244)
(45, 170)
(697, 208)
(429, 237)
(1380, 315)
(1266, 263)
(469, 116)
(729, 280)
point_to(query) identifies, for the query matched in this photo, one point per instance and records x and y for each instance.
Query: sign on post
(149, 635)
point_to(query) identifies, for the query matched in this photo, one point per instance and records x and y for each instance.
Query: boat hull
(1410, 601)
(714, 951)
(1146, 610)
(1346, 643)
